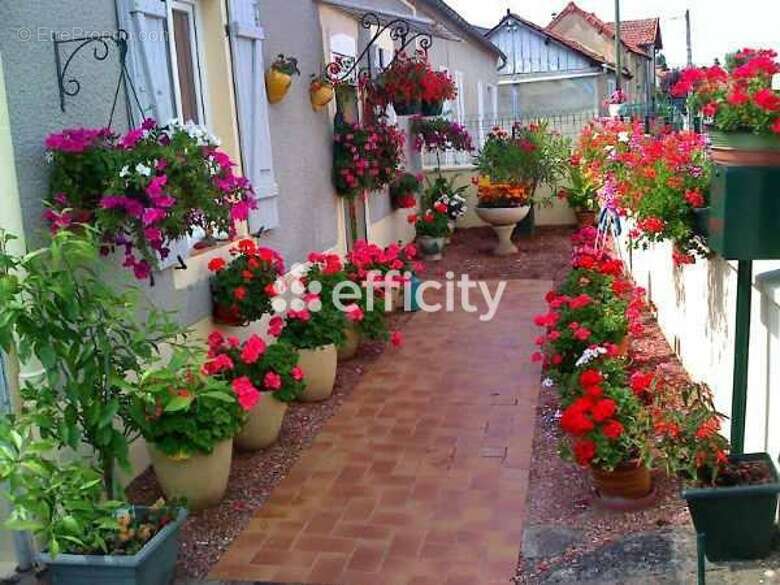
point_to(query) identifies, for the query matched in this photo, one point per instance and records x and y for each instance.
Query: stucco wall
(696, 311)
(31, 81)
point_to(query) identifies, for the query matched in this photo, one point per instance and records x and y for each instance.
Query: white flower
(623, 136)
(589, 355)
(143, 170)
(49, 156)
(125, 172)
(548, 383)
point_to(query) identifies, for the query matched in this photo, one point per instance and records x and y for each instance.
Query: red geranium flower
(612, 429)
(584, 451)
(604, 409)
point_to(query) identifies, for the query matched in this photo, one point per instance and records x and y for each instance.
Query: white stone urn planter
(503, 221)
(430, 247)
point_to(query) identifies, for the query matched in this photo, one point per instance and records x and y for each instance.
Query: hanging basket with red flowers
(242, 289)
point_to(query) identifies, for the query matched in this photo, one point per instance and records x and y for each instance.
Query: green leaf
(178, 403)
(22, 524)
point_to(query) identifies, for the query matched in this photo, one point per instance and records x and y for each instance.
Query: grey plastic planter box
(154, 564)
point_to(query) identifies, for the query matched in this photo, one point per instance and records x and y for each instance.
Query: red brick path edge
(421, 477)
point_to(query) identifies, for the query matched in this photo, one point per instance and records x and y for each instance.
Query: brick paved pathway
(420, 478)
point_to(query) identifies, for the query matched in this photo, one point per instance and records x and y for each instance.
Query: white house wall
(696, 307)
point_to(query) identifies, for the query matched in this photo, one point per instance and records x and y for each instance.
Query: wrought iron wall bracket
(400, 31)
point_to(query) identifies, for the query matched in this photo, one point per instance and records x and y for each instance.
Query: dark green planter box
(154, 564)
(737, 522)
(701, 219)
(744, 213)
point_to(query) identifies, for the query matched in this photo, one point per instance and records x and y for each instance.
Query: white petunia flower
(143, 170)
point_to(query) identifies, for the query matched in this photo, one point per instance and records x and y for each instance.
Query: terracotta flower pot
(630, 480)
(319, 370)
(201, 479)
(276, 84)
(585, 218)
(624, 346)
(745, 150)
(348, 349)
(320, 95)
(263, 424)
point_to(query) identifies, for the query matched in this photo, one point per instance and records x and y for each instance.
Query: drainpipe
(618, 66)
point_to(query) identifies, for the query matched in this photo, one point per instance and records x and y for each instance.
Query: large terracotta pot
(624, 346)
(430, 247)
(320, 95)
(319, 371)
(348, 349)
(503, 221)
(630, 480)
(745, 150)
(276, 84)
(201, 479)
(263, 424)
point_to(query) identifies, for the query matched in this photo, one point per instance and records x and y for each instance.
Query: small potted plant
(321, 90)
(732, 498)
(437, 87)
(315, 328)
(581, 194)
(272, 370)
(188, 415)
(243, 288)
(444, 191)
(279, 76)
(404, 189)
(432, 228)
(615, 101)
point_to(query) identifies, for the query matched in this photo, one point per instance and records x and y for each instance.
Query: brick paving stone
(421, 477)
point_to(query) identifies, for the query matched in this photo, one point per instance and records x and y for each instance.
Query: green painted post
(741, 353)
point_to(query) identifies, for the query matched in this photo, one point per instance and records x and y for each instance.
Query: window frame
(197, 56)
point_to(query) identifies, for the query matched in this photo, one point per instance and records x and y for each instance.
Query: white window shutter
(246, 38)
(149, 61)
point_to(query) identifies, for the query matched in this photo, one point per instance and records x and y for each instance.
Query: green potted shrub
(188, 415)
(732, 498)
(432, 229)
(88, 539)
(242, 289)
(581, 194)
(272, 370)
(315, 328)
(56, 309)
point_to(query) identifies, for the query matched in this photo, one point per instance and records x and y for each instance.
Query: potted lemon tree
(86, 335)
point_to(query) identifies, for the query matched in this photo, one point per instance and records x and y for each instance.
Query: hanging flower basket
(434, 108)
(145, 191)
(278, 78)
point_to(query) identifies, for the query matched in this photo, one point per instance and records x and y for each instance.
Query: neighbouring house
(204, 60)
(640, 43)
(547, 72)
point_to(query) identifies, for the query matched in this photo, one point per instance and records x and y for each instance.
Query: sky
(717, 26)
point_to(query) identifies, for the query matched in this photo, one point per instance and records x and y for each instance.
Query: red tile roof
(601, 26)
(642, 33)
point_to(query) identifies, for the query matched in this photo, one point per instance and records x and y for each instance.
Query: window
(186, 61)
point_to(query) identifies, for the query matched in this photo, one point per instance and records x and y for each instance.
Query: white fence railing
(569, 124)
